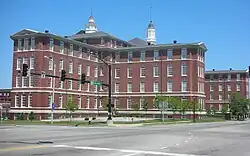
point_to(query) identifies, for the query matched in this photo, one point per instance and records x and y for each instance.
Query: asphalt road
(214, 139)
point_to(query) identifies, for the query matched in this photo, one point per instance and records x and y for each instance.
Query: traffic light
(25, 70)
(63, 75)
(83, 78)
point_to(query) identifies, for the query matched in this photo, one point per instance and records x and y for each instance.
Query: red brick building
(5, 101)
(140, 69)
(219, 85)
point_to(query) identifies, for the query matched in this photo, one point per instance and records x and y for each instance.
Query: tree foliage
(71, 106)
(144, 104)
(238, 105)
(135, 106)
(31, 116)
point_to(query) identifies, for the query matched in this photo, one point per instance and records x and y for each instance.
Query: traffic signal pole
(109, 94)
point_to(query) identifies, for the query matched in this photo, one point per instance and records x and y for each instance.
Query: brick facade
(220, 85)
(36, 95)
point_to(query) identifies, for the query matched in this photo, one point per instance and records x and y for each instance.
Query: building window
(238, 77)
(24, 81)
(19, 46)
(33, 43)
(70, 67)
(16, 101)
(51, 44)
(143, 55)
(141, 102)
(25, 60)
(220, 97)
(142, 87)
(18, 81)
(71, 50)
(23, 101)
(61, 47)
(26, 44)
(170, 86)
(170, 54)
(156, 55)
(79, 101)
(220, 87)
(130, 56)
(129, 103)
(50, 82)
(100, 102)
(88, 70)
(96, 72)
(184, 85)
(50, 63)
(61, 64)
(156, 71)
(30, 100)
(101, 71)
(79, 69)
(117, 87)
(211, 97)
(70, 84)
(229, 96)
(117, 57)
(184, 53)
(100, 88)
(229, 77)
(156, 87)
(87, 102)
(211, 87)
(96, 103)
(80, 52)
(31, 81)
(170, 70)
(129, 72)
(60, 101)
(60, 84)
(129, 87)
(142, 72)
(184, 69)
(117, 72)
(237, 87)
(79, 85)
(18, 63)
(116, 103)
(32, 61)
(95, 88)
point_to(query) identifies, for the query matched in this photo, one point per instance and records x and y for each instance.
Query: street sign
(53, 106)
(97, 83)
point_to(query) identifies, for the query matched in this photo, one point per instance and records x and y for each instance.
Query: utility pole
(109, 94)
(53, 94)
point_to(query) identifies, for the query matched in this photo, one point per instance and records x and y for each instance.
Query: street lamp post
(109, 120)
(53, 90)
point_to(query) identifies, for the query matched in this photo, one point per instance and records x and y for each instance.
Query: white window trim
(182, 52)
(156, 52)
(168, 73)
(116, 72)
(169, 51)
(182, 69)
(117, 85)
(141, 68)
(88, 70)
(32, 62)
(129, 85)
(128, 69)
(154, 70)
(143, 53)
(142, 91)
(156, 85)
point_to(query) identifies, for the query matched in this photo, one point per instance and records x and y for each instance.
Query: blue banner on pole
(53, 106)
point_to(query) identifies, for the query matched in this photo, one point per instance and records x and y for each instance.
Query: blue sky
(224, 26)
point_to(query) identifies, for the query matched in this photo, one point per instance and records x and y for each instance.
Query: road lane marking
(124, 150)
(21, 148)
(163, 147)
(130, 154)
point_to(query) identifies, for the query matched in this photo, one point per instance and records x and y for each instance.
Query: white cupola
(91, 26)
(151, 34)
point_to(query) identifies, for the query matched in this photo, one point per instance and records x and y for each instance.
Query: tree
(31, 116)
(238, 105)
(135, 106)
(71, 106)
(21, 116)
(185, 105)
(224, 109)
(145, 105)
(174, 104)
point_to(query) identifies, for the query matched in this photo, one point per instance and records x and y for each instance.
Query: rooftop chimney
(46, 31)
(65, 36)
(230, 68)
(213, 69)
(174, 41)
